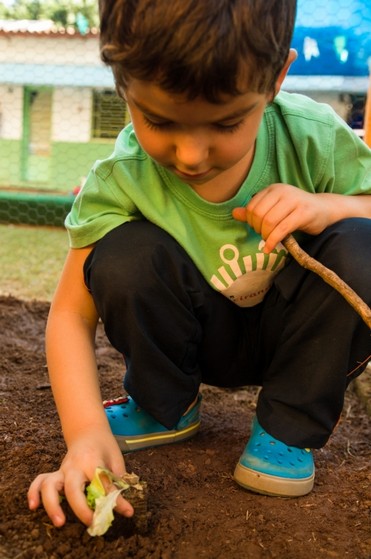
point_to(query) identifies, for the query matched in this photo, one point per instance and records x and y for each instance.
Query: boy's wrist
(340, 206)
(92, 429)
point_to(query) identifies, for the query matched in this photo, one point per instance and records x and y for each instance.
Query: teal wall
(69, 161)
(10, 162)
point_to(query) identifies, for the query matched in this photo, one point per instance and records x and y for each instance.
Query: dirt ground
(195, 508)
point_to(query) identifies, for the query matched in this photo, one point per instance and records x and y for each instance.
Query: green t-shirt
(300, 142)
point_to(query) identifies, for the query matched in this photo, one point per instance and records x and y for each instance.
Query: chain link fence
(59, 112)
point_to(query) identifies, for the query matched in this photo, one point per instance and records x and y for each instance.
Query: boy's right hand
(85, 454)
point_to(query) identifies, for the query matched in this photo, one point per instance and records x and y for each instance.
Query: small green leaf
(103, 515)
(95, 489)
(102, 503)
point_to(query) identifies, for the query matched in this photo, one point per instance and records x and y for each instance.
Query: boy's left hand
(281, 209)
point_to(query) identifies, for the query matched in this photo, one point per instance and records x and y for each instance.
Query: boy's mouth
(191, 176)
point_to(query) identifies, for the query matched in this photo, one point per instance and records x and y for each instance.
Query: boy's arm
(73, 374)
(70, 336)
(281, 209)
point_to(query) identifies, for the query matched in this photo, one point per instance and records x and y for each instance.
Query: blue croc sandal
(135, 429)
(271, 467)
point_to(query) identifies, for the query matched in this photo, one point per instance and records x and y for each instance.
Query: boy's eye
(229, 127)
(165, 124)
(156, 125)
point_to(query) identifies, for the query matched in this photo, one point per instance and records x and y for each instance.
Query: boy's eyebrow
(239, 113)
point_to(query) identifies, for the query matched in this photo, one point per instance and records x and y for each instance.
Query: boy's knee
(127, 258)
(345, 248)
(351, 230)
(349, 241)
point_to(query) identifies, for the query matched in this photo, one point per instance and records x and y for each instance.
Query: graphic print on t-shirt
(246, 279)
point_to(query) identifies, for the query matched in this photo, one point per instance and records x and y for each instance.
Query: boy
(175, 245)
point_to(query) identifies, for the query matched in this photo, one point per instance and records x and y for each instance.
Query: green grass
(31, 260)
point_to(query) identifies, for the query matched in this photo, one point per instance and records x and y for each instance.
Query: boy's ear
(290, 59)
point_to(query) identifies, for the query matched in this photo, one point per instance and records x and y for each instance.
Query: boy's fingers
(75, 495)
(48, 486)
(239, 214)
(33, 494)
(124, 507)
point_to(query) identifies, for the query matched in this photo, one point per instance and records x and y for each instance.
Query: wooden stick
(329, 277)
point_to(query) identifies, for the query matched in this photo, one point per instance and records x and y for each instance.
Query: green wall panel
(72, 161)
(68, 163)
(10, 163)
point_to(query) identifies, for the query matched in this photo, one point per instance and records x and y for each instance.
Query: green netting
(34, 209)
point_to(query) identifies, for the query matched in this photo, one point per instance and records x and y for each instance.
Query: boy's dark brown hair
(200, 48)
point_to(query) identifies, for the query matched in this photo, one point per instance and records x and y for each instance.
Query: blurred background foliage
(80, 14)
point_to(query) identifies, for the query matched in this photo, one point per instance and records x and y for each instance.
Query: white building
(58, 109)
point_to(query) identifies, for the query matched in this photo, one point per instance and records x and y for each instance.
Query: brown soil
(196, 510)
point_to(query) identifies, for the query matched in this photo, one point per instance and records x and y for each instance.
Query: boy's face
(208, 146)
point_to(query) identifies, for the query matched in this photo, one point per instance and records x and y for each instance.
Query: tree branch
(329, 277)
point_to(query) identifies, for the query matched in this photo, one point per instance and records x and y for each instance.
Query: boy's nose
(191, 152)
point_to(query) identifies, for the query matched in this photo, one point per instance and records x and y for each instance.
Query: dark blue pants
(303, 344)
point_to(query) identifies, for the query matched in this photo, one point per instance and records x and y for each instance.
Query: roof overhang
(340, 84)
(59, 75)
(54, 75)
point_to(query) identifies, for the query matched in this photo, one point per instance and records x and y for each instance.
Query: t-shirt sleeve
(347, 168)
(326, 155)
(98, 208)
